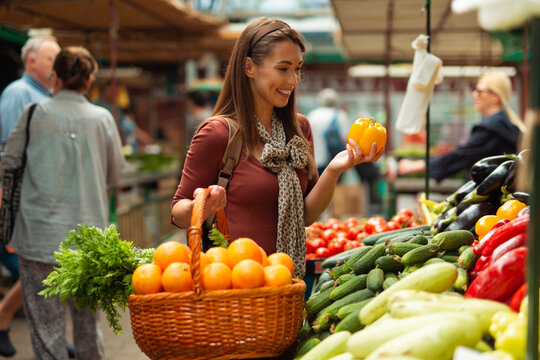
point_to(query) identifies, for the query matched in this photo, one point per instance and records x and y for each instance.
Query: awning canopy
(148, 30)
(376, 30)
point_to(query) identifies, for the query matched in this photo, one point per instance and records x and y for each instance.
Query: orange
(177, 277)
(247, 274)
(283, 259)
(243, 249)
(204, 260)
(264, 257)
(217, 254)
(169, 252)
(216, 276)
(277, 275)
(146, 279)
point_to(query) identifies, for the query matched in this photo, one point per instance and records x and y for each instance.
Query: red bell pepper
(504, 233)
(515, 300)
(502, 278)
(510, 244)
(478, 246)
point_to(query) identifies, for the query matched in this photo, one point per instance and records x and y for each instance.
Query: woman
(498, 133)
(73, 154)
(274, 191)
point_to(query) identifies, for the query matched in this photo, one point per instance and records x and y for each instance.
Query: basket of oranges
(227, 303)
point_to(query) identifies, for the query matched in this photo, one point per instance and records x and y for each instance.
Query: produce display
(420, 292)
(334, 236)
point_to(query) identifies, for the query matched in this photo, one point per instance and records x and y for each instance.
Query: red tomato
(351, 222)
(351, 244)
(311, 256)
(414, 223)
(317, 225)
(328, 235)
(322, 252)
(407, 212)
(373, 223)
(336, 246)
(310, 247)
(393, 225)
(318, 243)
(361, 236)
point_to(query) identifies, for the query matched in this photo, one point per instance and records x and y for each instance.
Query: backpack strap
(230, 159)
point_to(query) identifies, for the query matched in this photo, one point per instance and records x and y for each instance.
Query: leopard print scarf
(282, 158)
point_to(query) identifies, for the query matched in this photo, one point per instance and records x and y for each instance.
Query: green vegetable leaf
(94, 269)
(217, 238)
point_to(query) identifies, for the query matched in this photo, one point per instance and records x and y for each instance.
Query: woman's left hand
(353, 156)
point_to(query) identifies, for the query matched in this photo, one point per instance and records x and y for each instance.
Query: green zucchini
(347, 267)
(367, 262)
(401, 249)
(389, 263)
(330, 312)
(420, 255)
(453, 240)
(375, 279)
(338, 259)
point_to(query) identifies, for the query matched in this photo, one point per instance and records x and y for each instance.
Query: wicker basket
(218, 324)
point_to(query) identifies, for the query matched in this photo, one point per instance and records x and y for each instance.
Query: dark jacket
(495, 135)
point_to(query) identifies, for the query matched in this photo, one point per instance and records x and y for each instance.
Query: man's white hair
(33, 44)
(328, 98)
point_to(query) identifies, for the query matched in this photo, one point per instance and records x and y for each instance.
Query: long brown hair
(236, 100)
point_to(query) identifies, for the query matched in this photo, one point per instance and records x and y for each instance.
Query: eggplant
(509, 182)
(521, 196)
(473, 197)
(470, 216)
(483, 167)
(460, 193)
(445, 219)
(495, 179)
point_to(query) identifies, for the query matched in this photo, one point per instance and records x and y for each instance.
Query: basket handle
(195, 235)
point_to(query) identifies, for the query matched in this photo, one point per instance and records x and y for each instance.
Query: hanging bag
(11, 190)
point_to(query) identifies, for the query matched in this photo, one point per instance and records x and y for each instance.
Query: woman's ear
(249, 67)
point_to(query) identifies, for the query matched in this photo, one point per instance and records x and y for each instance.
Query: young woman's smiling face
(273, 81)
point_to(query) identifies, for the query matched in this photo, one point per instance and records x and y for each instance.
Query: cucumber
(419, 239)
(433, 278)
(347, 267)
(308, 345)
(409, 269)
(367, 262)
(389, 263)
(305, 332)
(450, 258)
(394, 239)
(355, 284)
(318, 302)
(327, 285)
(389, 282)
(372, 239)
(467, 258)
(350, 323)
(347, 309)
(330, 312)
(324, 277)
(338, 259)
(460, 285)
(375, 279)
(433, 261)
(401, 249)
(420, 255)
(344, 278)
(333, 345)
(451, 240)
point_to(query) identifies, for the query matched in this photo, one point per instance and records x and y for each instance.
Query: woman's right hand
(216, 200)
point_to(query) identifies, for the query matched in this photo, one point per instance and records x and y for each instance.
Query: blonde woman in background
(498, 133)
